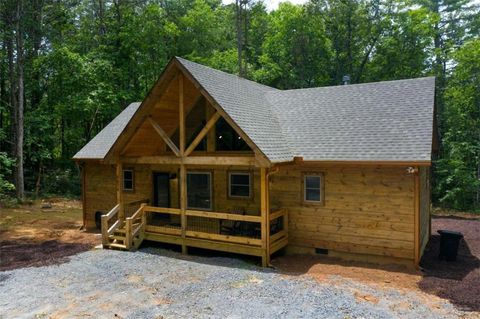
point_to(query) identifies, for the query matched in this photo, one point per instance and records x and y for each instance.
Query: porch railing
(229, 232)
(218, 227)
(132, 207)
(225, 227)
(278, 230)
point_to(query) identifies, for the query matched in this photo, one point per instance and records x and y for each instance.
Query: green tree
(296, 50)
(6, 165)
(459, 169)
(202, 33)
(404, 48)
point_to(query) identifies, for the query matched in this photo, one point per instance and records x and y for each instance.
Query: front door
(161, 189)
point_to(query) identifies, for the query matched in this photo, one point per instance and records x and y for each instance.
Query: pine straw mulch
(458, 282)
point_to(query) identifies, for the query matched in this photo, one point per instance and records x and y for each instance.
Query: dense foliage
(5, 169)
(71, 66)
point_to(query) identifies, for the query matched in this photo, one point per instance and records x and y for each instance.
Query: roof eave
(298, 160)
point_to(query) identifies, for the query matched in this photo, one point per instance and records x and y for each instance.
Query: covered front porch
(227, 226)
(183, 141)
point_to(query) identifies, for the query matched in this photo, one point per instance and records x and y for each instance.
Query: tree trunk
(36, 93)
(238, 7)
(62, 137)
(39, 178)
(365, 59)
(19, 127)
(11, 79)
(349, 43)
(245, 38)
(3, 94)
(439, 72)
(101, 17)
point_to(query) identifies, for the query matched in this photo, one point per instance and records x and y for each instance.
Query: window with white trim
(128, 180)
(239, 184)
(313, 188)
(199, 190)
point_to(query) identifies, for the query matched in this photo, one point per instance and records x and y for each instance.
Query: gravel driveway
(157, 283)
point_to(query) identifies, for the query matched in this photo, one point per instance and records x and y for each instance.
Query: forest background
(68, 67)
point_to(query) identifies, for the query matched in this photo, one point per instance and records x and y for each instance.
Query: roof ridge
(227, 74)
(360, 84)
(298, 89)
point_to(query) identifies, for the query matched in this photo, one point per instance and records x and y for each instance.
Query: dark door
(161, 189)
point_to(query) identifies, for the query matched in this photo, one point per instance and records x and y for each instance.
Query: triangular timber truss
(176, 80)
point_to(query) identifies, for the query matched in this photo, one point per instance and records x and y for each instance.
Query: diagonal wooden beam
(165, 137)
(211, 122)
(181, 115)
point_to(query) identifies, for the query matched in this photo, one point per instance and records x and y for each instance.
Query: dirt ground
(458, 282)
(32, 236)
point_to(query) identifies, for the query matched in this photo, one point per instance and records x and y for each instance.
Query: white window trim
(123, 179)
(319, 189)
(230, 184)
(211, 190)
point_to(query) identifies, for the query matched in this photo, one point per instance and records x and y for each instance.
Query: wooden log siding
(100, 194)
(368, 210)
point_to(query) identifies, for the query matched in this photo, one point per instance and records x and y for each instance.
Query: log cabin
(214, 161)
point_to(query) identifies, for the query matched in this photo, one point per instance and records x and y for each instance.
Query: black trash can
(449, 241)
(98, 219)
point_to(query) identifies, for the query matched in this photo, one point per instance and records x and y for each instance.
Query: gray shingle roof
(99, 146)
(381, 121)
(246, 103)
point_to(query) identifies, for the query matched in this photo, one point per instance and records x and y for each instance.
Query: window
(239, 184)
(228, 139)
(199, 190)
(128, 180)
(313, 188)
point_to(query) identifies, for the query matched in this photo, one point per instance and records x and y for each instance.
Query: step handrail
(138, 213)
(105, 219)
(112, 228)
(130, 233)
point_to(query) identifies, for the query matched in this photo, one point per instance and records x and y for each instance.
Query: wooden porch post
(83, 168)
(183, 197)
(183, 170)
(119, 173)
(211, 135)
(264, 204)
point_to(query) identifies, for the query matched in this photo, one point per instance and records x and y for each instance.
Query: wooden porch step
(123, 230)
(119, 246)
(117, 237)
